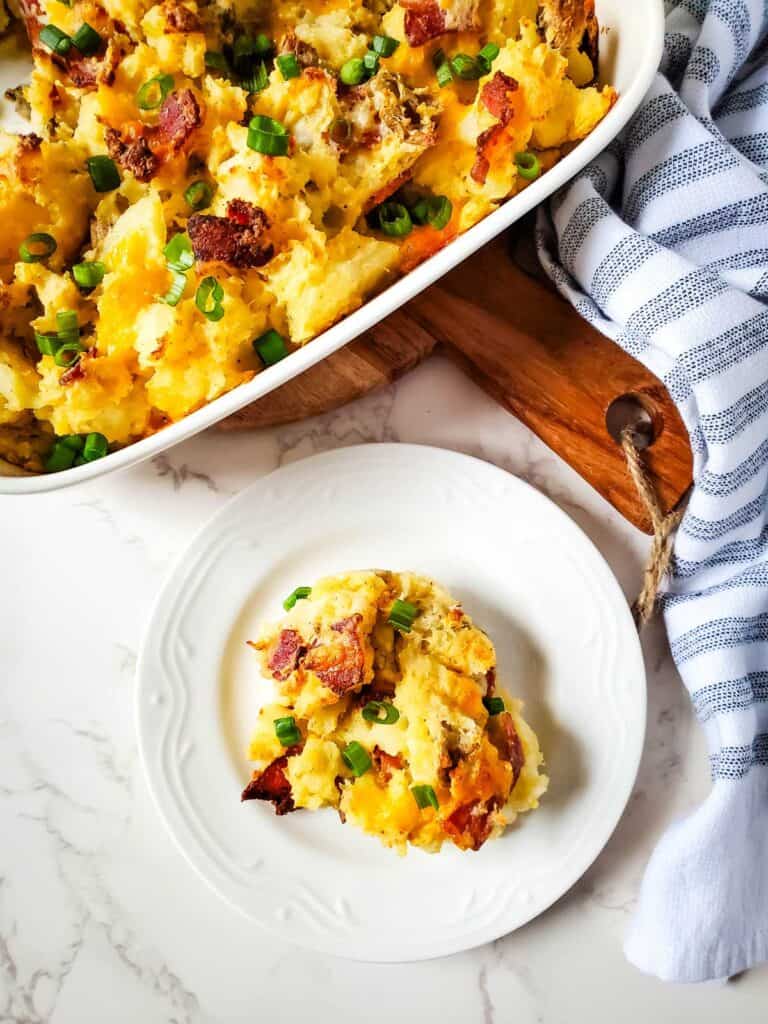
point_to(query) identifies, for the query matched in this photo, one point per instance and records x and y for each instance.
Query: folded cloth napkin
(662, 243)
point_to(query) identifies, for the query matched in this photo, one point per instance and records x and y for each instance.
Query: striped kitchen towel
(662, 243)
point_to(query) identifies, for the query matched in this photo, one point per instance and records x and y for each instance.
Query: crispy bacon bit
(272, 784)
(384, 764)
(179, 116)
(496, 97)
(179, 18)
(286, 654)
(503, 735)
(387, 190)
(425, 22)
(340, 664)
(306, 55)
(235, 239)
(490, 682)
(134, 155)
(76, 372)
(470, 825)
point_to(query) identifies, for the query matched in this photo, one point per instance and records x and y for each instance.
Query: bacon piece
(134, 155)
(286, 654)
(76, 372)
(470, 825)
(424, 23)
(179, 116)
(340, 664)
(305, 54)
(384, 764)
(235, 239)
(490, 682)
(387, 190)
(272, 784)
(179, 18)
(496, 97)
(504, 736)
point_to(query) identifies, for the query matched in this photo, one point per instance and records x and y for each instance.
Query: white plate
(566, 644)
(631, 46)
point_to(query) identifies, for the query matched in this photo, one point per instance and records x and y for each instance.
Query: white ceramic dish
(631, 45)
(566, 644)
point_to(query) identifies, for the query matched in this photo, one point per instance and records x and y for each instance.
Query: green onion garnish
(425, 796)
(216, 61)
(466, 67)
(299, 594)
(47, 342)
(88, 274)
(353, 72)
(287, 731)
(444, 74)
(380, 711)
(401, 615)
(103, 172)
(68, 329)
(95, 447)
(433, 210)
(268, 136)
(178, 283)
(68, 353)
(179, 253)
(493, 705)
(87, 40)
(208, 299)
(56, 40)
(257, 80)
(60, 457)
(270, 347)
(528, 166)
(73, 441)
(394, 219)
(37, 247)
(488, 55)
(356, 758)
(385, 46)
(247, 50)
(151, 95)
(288, 66)
(371, 63)
(199, 195)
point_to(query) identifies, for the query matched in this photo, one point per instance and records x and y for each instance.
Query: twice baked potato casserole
(387, 709)
(207, 185)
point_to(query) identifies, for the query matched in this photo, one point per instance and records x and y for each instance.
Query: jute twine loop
(664, 525)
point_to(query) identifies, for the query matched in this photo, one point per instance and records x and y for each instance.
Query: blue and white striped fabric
(663, 244)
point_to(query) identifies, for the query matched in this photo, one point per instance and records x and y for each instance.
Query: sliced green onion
(353, 72)
(47, 342)
(103, 172)
(299, 594)
(216, 61)
(179, 253)
(287, 731)
(270, 347)
(288, 66)
(438, 58)
(88, 274)
(466, 67)
(401, 615)
(96, 447)
(371, 63)
(394, 219)
(37, 247)
(356, 758)
(66, 322)
(268, 136)
(87, 40)
(199, 195)
(433, 210)
(60, 457)
(258, 80)
(151, 95)
(425, 796)
(380, 711)
(68, 353)
(493, 705)
(385, 46)
(528, 166)
(208, 299)
(488, 55)
(247, 50)
(56, 40)
(178, 283)
(444, 74)
(73, 441)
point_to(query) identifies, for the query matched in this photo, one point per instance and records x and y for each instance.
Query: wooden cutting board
(528, 349)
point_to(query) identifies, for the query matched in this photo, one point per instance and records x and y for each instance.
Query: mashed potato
(382, 131)
(387, 710)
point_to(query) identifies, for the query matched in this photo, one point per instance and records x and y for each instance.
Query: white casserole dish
(631, 44)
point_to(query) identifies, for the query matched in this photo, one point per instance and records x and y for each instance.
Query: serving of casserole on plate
(205, 189)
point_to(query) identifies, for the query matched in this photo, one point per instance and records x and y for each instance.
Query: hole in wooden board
(635, 412)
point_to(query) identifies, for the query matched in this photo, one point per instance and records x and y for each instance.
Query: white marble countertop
(100, 918)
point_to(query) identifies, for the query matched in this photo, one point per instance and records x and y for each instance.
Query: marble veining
(101, 919)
